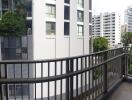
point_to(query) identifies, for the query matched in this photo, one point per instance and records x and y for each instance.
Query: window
(80, 30)
(90, 45)
(51, 11)
(67, 1)
(50, 28)
(90, 17)
(11, 90)
(90, 4)
(18, 56)
(29, 27)
(24, 55)
(90, 30)
(28, 7)
(80, 16)
(24, 50)
(17, 90)
(0, 12)
(5, 4)
(80, 3)
(18, 42)
(24, 41)
(66, 28)
(67, 13)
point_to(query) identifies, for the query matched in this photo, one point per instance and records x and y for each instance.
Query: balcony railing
(85, 77)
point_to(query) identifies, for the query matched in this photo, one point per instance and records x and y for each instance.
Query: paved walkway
(124, 92)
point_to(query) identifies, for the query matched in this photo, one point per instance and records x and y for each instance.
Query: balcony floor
(123, 92)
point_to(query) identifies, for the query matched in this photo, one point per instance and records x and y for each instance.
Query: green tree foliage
(100, 44)
(127, 38)
(12, 24)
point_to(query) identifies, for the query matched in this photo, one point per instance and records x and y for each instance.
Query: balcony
(103, 75)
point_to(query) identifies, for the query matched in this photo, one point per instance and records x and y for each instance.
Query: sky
(119, 6)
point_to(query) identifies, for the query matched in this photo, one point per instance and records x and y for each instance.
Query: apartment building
(107, 25)
(60, 28)
(17, 47)
(128, 18)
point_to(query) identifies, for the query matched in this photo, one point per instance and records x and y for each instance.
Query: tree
(12, 24)
(100, 44)
(127, 38)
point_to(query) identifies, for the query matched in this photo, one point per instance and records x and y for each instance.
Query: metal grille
(74, 78)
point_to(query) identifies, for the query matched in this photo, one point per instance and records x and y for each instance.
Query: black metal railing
(85, 77)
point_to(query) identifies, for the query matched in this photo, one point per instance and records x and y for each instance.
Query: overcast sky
(119, 6)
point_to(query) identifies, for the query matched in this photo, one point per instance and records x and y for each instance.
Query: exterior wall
(123, 28)
(117, 29)
(128, 18)
(58, 45)
(107, 25)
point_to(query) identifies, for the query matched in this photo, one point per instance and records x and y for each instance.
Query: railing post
(0, 86)
(123, 63)
(105, 72)
(67, 80)
(1, 92)
(71, 80)
(6, 84)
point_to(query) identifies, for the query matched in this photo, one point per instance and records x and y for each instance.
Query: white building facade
(61, 28)
(128, 18)
(107, 25)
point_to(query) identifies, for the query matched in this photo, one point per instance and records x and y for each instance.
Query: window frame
(80, 3)
(80, 33)
(51, 11)
(50, 31)
(80, 16)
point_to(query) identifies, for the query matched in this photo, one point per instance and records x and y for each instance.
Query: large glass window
(90, 17)
(29, 8)
(5, 4)
(80, 30)
(66, 28)
(17, 90)
(90, 30)
(29, 26)
(24, 3)
(66, 12)
(80, 3)
(67, 1)
(90, 4)
(50, 28)
(80, 16)
(51, 11)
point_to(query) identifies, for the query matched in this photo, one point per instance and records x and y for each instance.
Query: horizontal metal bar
(54, 78)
